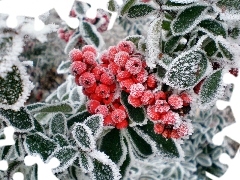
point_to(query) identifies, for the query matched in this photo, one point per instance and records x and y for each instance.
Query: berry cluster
(123, 68)
(65, 34)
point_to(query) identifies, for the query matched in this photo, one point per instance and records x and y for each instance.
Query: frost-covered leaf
(225, 51)
(85, 162)
(210, 46)
(83, 136)
(126, 6)
(171, 44)
(229, 4)
(204, 160)
(61, 140)
(213, 26)
(211, 89)
(31, 107)
(135, 39)
(104, 168)
(112, 5)
(77, 118)
(6, 152)
(167, 147)
(183, 1)
(72, 42)
(95, 123)
(140, 145)
(140, 11)
(188, 19)
(112, 145)
(91, 35)
(40, 144)
(63, 67)
(57, 107)
(58, 124)
(187, 69)
(15, 86)
(136, 115)
(66, 155)
(37, 127)
(126, 163)
(76, 96)
(81, 7)
(161, 71)
(61, 90)
(21, 120)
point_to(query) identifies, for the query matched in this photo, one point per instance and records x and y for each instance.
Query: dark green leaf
(171, 44)
(112, 5)
(40, 144)
(210, 47)
(161, 71)
(63, 67)
(136, 115)
(35, 106)
(187, 19)
(61, 140)
(58, 124)
(52, 108)
(77, 118)
(21, 120)
(166, 25)
(126, 164)
(73, 41)
(140, 11)
(225, 51)
(135, 39)
(126, 6)
(85, 162)
(214, 27)
(95, 123)
(6, 152)
(37, 127)
(170, 3)
(229, 4)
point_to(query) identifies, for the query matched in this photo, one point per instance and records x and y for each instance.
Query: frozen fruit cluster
(65, 34)
(123, 68)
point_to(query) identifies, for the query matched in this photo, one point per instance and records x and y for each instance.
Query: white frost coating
(91, 143)
(124, 150)
(64, 122)
(27, 85)
(100, 156)
(152, 42)
(90, 164)
(184, 1)
(100, 124)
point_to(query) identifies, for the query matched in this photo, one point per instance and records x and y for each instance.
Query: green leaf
(6, 152)
(58, 107)
(83, 136)
(187, 69)
(170, 3)
(40, 144)
(21, 120)
(166, 25)
(58, 124)
(171, 44)
(112, 5)
(136, 115)
(167, 147)
(85, 162)
(213, 26)
(187, 19)
(204, 160)
(229, 4)
(126, 6)
(141, 146)
(31, 107)
(135, 39)
(63, 67)
(37, 127)
(210, 48)
(91, 35)
(113, 139)
(95, 123)
(73, 41)
(126, 163)
(61, 140)
(161, 71)
(225, 51)
(77, 118)
(211, 88)
(140, 11)
(66, 155)
(80, 7)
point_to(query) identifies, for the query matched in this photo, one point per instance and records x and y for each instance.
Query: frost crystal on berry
(89, 48)
(126, 46)
(89, 58)
(77, 68)
(92, 105)
(135, 102)
(87, 79)
(102, 109)
(118, 115)
(159, 128)
(121, 58)
(107, 78)
(102, 91)
(75, 55)
(147, 97)
(175, 101)
(133, 65)
(122, 125)
(171, 118)
(161, 106)
(155, 116)
(112, 51)
(136, 90)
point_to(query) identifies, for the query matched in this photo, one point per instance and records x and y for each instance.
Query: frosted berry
(135, 102)
(76, 79)
(89, 48)
(102, 91)
(78, 67)
(175, 101)
(159, 128)
(108, 121)
(87, 79)
(136, 90)
(75, 55)
(126, 84)
(122, 125)
(155, 116)
(118, 115)
(112, 51)
(108, 100)
(113, 87)
(126, 46)
(97, 71)
(174, 134)
(94, 96)
(89, 58)
(167, 133)
(183, 130)
(121, 75)
(171, 118)
(91, 89)
(141, 77)
(161, 106)
(121, 58)
(92, 105)
(107, 78)
(133, 65)
(147, 97)
(151, 82)
(160, 95)
(186, 98)
(113, 68)
(102, 109)
(104, 57)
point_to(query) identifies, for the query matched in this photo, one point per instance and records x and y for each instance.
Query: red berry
(102, 91)
(126, 84)
(118, 115)
(102, 109)
(141, 77)
(108, 121)
(121, 58)
(97, 71)
(151, 81)
(113, 68)
(155, 116)
(161, 106)
(78, 67)
(91, 89)
(135, 102)
(175, 101)
(136, 90)
(198, 86)
(89, 58)
(159, 128)
(108, 100)
(77, 80)
(160, 95)
(104, 57)
(147, 97)
(126, 46)
(122, 125)
(95, 97)
(61, 36)
(112, 51)
(183, 130)
(107, 78)
(92, 105)
(89, 48)
(167, 133)
(234, 71)
(186, 98)
(174, 134)
(134, 65)
(171, 118)
(112, 88)
(75, 55)
(87, 79)
(121, 75)
(123, 108)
